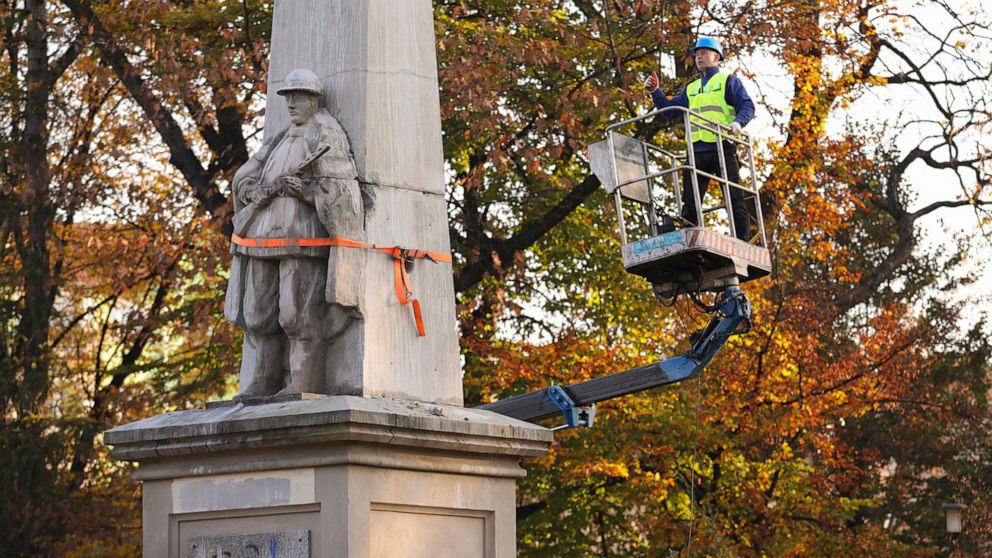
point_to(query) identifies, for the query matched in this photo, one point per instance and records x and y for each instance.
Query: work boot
(269, 371)
(307, 362)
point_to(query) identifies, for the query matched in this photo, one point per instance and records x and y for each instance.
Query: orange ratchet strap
(404, 292)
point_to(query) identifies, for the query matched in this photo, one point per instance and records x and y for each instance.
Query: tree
(847, 327)
(126, 124)
(32, 272)
(89, 342)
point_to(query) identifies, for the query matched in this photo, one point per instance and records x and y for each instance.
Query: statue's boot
(307, 364)
(268, 376)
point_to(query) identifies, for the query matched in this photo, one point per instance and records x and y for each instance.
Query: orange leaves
(780, 407)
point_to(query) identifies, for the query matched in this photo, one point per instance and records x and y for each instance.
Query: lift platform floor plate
(695, 252)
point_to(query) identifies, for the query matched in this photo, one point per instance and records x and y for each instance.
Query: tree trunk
(34, 250)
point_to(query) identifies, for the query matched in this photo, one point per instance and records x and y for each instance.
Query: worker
(720, 97)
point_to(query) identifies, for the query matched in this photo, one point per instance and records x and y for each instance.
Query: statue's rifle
(321, 150)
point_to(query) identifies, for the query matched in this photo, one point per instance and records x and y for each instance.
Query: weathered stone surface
(296, 301)
(377, 62)
(286, 544)
(379, 67)
(240, 491)
(358, 512)
(387, 421)
(398, 363)
(405, 532)
(264, 400)
(367, 477)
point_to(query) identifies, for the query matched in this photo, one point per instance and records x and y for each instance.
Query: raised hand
(652, 82)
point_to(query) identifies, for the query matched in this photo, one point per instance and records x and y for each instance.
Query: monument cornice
(325, 421)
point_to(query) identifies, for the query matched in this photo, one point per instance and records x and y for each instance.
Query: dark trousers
(709, 161)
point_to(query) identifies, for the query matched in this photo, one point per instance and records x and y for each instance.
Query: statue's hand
(245, 194)
(256, 195)
(291, 186)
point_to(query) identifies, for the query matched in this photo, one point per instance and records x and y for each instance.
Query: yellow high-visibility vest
(709, 100)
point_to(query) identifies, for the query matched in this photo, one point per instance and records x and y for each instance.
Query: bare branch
(182, 155)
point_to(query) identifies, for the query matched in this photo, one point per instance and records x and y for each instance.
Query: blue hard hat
(710, 43)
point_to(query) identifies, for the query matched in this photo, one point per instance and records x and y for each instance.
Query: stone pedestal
(339, 476)
(347, 476)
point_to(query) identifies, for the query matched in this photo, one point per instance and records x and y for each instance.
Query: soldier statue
(292, 290)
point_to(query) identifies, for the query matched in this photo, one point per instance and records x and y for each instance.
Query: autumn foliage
(856, 406)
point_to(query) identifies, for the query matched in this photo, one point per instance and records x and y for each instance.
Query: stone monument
(348, 438)
(298, 299)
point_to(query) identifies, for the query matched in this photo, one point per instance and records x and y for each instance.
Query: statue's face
(301, 106)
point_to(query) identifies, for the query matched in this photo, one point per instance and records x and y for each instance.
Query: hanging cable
(695, 445)
(681, 319)
(692, 468)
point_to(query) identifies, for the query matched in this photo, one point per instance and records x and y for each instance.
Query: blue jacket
(736, 97)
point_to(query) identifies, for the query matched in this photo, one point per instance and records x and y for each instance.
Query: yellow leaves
(607, 469)
(680, 506)
(785, 450)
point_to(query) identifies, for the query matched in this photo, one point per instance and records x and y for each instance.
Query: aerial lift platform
(646, 182)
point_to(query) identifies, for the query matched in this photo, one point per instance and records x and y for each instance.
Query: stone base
(249, 401)
(360, 478)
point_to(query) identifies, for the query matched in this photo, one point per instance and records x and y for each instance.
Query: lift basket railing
(624, 165)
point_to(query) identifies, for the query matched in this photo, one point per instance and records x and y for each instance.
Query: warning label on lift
(655, 242)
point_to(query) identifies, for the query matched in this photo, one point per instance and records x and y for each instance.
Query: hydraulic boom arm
(731, 309)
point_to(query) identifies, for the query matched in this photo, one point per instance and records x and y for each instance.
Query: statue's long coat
(331, 185)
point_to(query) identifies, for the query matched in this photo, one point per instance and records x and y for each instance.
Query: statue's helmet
(301, 80)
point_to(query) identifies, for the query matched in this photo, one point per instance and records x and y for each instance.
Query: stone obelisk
(377, 62)
(390, 463)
